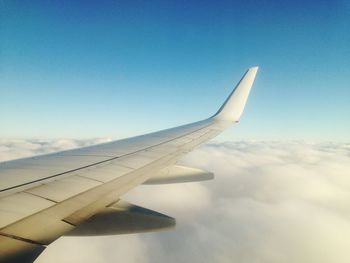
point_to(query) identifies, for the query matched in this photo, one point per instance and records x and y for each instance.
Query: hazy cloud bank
(18, 148)
(270, 202)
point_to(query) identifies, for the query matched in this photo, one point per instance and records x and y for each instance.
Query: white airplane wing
(77, 192)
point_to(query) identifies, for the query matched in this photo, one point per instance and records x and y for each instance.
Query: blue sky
(116, 69)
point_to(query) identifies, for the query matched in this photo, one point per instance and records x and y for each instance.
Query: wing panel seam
(22, 239)
(97, 163)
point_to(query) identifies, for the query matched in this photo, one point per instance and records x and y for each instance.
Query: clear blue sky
(120, 68)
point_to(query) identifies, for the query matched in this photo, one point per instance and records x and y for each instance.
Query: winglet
(233, 107)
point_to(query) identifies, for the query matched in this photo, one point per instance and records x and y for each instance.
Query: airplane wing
(77, 192)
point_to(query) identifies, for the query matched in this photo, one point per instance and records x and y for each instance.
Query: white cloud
(270, 202)
(19, 148)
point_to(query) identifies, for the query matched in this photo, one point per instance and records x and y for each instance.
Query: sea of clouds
(270, 202)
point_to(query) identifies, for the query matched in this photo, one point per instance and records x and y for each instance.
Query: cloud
(269, 202)
(19, 148)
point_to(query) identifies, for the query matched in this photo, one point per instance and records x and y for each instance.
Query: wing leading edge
(45, 197)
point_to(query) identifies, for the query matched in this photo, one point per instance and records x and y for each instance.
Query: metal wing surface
(45, 197)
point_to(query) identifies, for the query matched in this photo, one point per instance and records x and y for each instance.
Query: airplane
(78, 192)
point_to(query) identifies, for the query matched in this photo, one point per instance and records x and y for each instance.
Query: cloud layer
(19, 148)
(270, 202)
